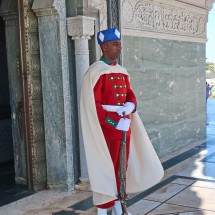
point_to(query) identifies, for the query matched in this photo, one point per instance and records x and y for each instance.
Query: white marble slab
(205, 184)
(198, 213)
(196, 197)
(142, 207)
(183, 181)
(171, 208)
(201, 170)
(165, 192)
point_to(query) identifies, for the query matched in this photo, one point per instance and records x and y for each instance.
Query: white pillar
(81, 28)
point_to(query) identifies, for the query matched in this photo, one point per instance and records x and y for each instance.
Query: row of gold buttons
(119, 94)
(119, 86)
(116, 77)
(120, 103)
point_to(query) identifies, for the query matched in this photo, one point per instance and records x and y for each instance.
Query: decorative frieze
(45, 11)
(113, 14)
(35, 97)
(170, 18)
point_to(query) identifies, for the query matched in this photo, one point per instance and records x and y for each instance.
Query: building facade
(46, 47)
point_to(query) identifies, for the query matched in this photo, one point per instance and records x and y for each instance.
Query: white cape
(144, 167)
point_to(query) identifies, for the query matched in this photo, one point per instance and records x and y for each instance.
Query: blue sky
(210, 45)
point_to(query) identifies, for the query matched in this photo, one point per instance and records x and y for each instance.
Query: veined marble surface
(168, 78)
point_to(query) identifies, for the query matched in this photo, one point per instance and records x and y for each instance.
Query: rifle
(122, 173)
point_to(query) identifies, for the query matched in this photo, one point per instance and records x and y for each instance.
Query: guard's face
(112, 49)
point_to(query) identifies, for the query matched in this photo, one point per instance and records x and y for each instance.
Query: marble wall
(168, 77)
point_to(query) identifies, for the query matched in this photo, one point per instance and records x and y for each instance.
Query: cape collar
(107, 62)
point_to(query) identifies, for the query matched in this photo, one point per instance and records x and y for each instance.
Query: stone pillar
(80, 28)
(56, 92)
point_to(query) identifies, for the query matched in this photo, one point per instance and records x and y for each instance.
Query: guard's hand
(123, 124)
(127, 108)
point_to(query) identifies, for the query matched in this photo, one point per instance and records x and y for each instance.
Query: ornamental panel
(172, 18)
(34, 64)
(113, 14)
(36, 89)
(33, 43)
(38, 132)
(32, 22)
(35, 96)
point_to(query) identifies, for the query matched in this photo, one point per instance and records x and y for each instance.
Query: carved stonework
(80, 27)
(101, 5)
(171, 18)
(35, 97)
(113, 14)
(46, 12)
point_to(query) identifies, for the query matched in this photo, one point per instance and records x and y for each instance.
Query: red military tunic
(113, 89)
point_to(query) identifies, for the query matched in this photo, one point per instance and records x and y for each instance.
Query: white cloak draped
(144, 167)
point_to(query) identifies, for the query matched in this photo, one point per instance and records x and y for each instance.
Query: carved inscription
(154, 16)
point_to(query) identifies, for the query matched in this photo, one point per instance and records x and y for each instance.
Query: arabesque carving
(154, 16)
(35, 97)
(80, 27)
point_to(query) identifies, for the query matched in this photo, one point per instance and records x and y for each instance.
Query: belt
(111, 108)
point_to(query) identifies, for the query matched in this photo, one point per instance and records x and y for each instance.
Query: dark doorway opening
(6, 141)
(7, 172)
(9, 190)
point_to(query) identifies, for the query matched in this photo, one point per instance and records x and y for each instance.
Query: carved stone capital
(80, 27)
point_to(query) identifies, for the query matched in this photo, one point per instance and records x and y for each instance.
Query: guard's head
(110, 42)
(108, 35)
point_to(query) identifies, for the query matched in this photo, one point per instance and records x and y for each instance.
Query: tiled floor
(180, 196)
(188, 187)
